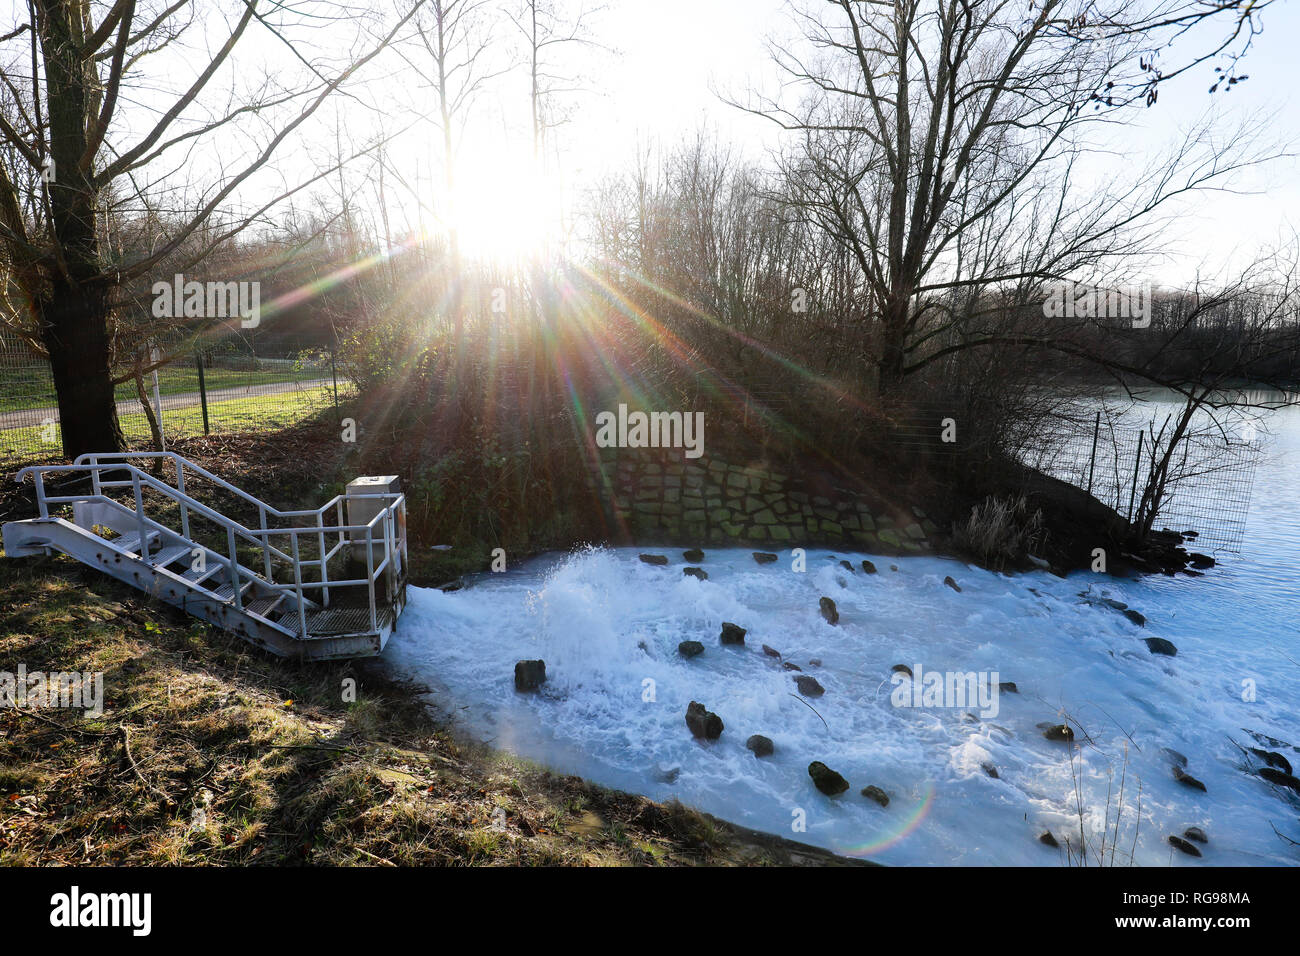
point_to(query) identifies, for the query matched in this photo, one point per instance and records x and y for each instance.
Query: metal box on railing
(363, 510)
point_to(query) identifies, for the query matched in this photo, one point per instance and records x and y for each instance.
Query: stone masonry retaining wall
(655, 496)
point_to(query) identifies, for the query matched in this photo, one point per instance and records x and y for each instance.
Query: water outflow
(612, 708)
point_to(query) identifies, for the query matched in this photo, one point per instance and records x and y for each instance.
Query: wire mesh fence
(225, 388)
(1211, 477)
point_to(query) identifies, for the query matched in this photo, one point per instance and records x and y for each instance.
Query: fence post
(1136, 466)
(334, 374)
(203, 389)
(1092, 460)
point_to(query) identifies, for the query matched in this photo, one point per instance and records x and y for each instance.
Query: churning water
(613, 706)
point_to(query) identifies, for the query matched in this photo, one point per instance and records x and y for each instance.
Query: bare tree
(69, 69)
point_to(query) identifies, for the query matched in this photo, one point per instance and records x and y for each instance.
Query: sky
(654, 75)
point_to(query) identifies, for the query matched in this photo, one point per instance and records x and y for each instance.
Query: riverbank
(209, 753)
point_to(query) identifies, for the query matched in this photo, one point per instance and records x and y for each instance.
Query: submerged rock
(732, 633)
(1179, 843)
(703, 723)
(1059, 732)
(791, 666)
(1275, 776)
(893, 567)
(1008, 687)
(1173, 757)
(991, 770)
(529, 675)
(875, 793)
(666, 774)
(760, 745)
(1158, 645)
(653, 558)
(826, 780)
(693, 556)
(1272, 758)
(764, 557)
(1187, 780)
(771, 651)
(901, 669)
(868, 567)
(815, 662)
(829, 611)
(952, 584)
(808, 686)
(1197, 834)
(690, 648)
(1048, 840)
(696, 573)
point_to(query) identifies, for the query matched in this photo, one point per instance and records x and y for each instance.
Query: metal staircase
(154, 541)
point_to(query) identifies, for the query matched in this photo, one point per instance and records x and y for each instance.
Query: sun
(503, 213)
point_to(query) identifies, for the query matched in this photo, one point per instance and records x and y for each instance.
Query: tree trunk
(75, 332)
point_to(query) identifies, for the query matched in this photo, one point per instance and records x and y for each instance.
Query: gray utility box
(361, 511)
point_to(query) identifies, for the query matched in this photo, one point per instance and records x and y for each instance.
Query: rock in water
(529, 675)
(1135, 616)
(1158, 645)
(1047, 839)
(771, 651)
(693, 556)
(764, 557)
(1197, 834)
(760, 745)
(808, 686)
(952, 584)
(1278, 777)
(829, 611)
(1059, 732)
(1179, 843)
(1187, 780)
(847, 566)
(703, 723)
(1199, 560)
(733, 633)
(696, 573)
(1273, 759)
(868, 567)
(690, 648)
(1173, 757)
(653, 558)
(1008, 687)
(791, 666)
(827, 780)
(991, 770)
(875, 793)
(901, 669)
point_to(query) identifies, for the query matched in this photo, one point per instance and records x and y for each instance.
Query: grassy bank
(209, 752)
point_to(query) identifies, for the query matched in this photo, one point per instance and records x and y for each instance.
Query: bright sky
(653, 80)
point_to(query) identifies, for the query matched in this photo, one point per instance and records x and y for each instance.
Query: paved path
(29, 417)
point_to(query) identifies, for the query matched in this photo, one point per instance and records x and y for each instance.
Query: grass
(209, 752)
(259, 413)
(32, 387)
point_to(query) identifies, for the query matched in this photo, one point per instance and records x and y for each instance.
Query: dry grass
(999, 531)
(209, 753)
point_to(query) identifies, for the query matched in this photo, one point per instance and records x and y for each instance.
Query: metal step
(131, 542)
(265, 605)
(198, 577)
(167, 555)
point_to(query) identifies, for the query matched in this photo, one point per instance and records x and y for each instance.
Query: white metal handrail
(394, 505)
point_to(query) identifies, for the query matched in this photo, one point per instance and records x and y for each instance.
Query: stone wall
(653, 496)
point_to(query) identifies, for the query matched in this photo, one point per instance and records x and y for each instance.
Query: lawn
(259, 413)
(30, 386)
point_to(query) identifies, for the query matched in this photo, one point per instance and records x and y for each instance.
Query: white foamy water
(613, 707)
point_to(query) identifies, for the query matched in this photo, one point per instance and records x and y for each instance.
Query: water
(613, 707)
